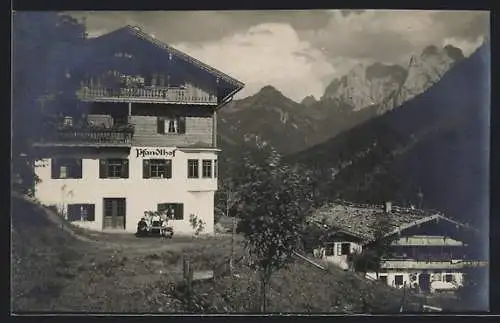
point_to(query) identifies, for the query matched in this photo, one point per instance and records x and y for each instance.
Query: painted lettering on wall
(158, 152)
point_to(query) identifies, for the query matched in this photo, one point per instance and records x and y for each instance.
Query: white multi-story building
(142, 137)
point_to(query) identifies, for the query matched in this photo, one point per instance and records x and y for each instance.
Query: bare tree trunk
(263, 295)
(264, 282)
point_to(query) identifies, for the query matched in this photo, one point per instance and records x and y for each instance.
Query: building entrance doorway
(114, 213)
(424, 282)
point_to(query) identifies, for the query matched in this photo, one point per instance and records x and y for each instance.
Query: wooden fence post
(188, 281)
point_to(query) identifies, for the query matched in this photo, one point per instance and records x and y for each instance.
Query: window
(113, 168)
(215, 168)
(66, 168)
(448, 278)
(68, 121)
(383, 279)
(329, 251)
(174, 210)
(398, 280)
(207, 169)
(157, 168)
(171, 125)
(193, 168)
(81, 212)
(346, 248)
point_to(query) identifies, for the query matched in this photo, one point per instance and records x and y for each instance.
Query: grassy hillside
(303, 288)
(55, 270)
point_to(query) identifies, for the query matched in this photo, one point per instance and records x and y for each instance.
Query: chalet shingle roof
(139, 33)
(360, 220)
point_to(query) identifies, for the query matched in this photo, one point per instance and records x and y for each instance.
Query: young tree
(370, 259)
(382, 242)
(274, 201)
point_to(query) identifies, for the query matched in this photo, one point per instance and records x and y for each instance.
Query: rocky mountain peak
(430, 50)
(379, 70)
(269, 90)
(423, 72)
(365, 85)
(454, 52)
(388, 86)
(308, 101)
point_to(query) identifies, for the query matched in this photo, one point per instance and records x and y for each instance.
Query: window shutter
(339, 249)
(168, 168)
(103, 171)
(73, 212)
(182, 124)
(179, 212)
(162, 207)
(160, 124)
(54, 168)
(78, 169)
(90, 212)
(146, 169)
(125, 167)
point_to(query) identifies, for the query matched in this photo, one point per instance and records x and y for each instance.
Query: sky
(299, 52)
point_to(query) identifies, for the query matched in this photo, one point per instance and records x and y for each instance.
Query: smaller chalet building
(425, 250)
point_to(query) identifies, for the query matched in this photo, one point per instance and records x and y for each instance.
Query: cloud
(300, 52)
(392, 36)
(266, 54)
(193, 26)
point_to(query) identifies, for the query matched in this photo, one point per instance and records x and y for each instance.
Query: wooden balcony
(88, 137)
(147, 94)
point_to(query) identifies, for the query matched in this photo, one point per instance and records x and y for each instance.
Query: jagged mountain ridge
(389, 86)
(436, 144)
(268, 118)
(264, 118)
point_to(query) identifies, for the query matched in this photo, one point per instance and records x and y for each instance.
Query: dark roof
(359, 220)
(136, 31)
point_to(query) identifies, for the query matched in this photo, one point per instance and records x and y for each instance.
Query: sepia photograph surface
(250, 162)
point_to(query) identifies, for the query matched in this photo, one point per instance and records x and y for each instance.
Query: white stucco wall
(141, 194)
(437, 278)
(338, 259)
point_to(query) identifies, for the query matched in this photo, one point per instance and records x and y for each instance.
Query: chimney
(388, 207)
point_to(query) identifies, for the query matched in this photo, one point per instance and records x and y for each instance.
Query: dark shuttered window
(157, 168)
(66, 168)
(81, 212)
(175, 211)
(174, 125)
(113, 168)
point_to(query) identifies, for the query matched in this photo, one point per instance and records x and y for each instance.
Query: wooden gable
(130, 51)
(441, 226)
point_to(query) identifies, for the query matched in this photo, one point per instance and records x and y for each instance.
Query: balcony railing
(89, 136)
(146, 94)
(422, 264)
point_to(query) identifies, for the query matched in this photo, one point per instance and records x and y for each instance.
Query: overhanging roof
(359, 220)
(137, 32)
